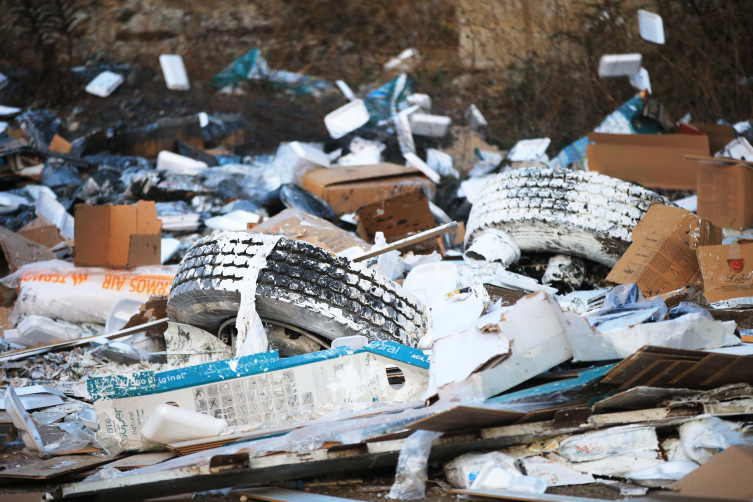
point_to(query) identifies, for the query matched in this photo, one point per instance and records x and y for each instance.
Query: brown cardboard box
(118, 236)
(651, 160)
(42, 232)
(719, 135)
(724, 194)
(662, 257)
(727, 270)
(302, 226)
(726, 476)
(347, 188)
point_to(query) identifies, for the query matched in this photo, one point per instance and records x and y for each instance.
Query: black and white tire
(562, 211)
(302, 285)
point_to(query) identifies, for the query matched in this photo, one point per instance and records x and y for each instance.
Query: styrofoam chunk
(172, 162)
(104, 84)
(424, 124)
(619, 65)
(174, 71)
(651, 26)
(347, 118)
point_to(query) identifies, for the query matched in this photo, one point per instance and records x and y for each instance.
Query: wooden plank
(142, 460)
(639, 398)
(274, 494)
(703, 370)
(410, 240)
(740, 371)
(677, 368)
(648, 374)
(465, 418)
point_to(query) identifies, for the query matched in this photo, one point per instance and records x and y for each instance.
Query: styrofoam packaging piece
(600, 444)
(178, 164)
(60, 290)
(403, 58)
(472, 187)
(104, 84)
(661, 475)
(555, 472)
(236, 389)
(3, 127)
(641, 80)
(346, 90)
(8, 111)
(170, 246)
(170, 424)
(53, 211)
(121, 313)
(432, 281)
(3, 80)
(237, 220)
(651, 26)
(494, 477)
(435, 126)
(353, 341)
(414, 161)
(310, 154)
(739, 149)
(619, 65)
(347, 118)
(422, 100)
(36, 330)
(174, 72)
(529, 149)
(23, 422)
(203, 119)
(477, 119)
(368, 156)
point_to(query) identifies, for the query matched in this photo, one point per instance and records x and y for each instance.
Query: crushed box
(727, 271)
(662, 257)
(724, 190)
(347, 188)
(118, 236)
(255, 389)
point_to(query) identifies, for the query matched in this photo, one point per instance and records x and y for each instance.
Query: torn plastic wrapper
(412, 466)
(59, 290)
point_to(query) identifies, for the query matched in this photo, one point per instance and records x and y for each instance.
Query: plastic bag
(76, 437)
(621, 296)
(684, 308)
(702, 439)
(411, 474)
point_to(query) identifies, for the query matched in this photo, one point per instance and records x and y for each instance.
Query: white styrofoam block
(347, 118)
(424, 124)
(402, 58)
(174, 71)
(3, 127)
(3, 80)
(641, 80)
(310, 154)
(174, 163)
(477, 119)
(203, 119)
(104, 84)
(529, 149)
(422, 100)
(651, 26)
(8, 111)
(619, 65)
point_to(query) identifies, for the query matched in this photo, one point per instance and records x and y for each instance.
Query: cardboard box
(724, 194)
(727, 271)
(662, 257)
(651, 160)
(302, 226)
(348, 188)
(726, 476)
(117, 236)
(719, 135)
(255, 389)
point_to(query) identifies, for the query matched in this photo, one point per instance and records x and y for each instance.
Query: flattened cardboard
(724, 194)
(727, 270)
(347, 188)
(726, 476)
(118, 236)
(651, 160)
(60, 145)
(302, 226)
(44, 234)
(662, 257)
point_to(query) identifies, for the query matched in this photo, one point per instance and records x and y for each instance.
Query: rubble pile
(405, 298)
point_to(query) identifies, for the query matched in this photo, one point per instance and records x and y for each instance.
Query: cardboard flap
(335, 175)
(123, 223)
(92, 230)
(651, 140)
(144, 250)
(726, 476)
(147, 220)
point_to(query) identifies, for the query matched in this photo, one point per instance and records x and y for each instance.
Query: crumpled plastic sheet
(684, 308)
(626, 306)
(412, 466)
(107, 472)
(77, 437)
(702, 439)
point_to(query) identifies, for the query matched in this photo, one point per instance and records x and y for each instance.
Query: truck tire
(302, 285)
(562, 211)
